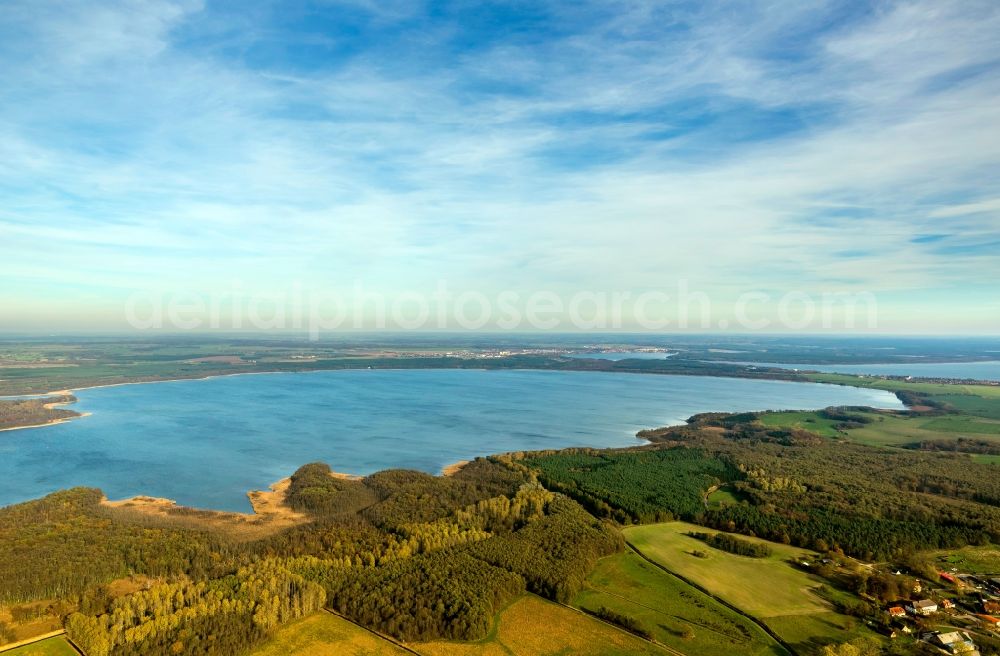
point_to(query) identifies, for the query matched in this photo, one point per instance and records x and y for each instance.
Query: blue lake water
(973, 370)
(206, 443)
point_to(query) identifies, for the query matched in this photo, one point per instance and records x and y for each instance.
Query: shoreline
(210, 376)
(269, 511)
(63, 420)
(51, 406)
(454, 468)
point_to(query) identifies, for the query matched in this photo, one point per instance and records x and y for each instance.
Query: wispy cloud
(777, 145)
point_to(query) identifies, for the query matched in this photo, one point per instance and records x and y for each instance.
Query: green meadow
(805, 420)
(675, 613)
(771, 590)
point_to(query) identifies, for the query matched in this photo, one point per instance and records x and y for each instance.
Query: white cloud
(121, 150)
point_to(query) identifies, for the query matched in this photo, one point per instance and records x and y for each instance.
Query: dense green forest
(412, 555)
(630, 486)
(67, 542)
(797, 488)
(218, 616)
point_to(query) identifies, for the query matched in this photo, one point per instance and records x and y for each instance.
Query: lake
(207, 442)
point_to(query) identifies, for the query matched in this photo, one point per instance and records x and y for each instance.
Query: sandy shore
(63, 420)
(271, 514)
(346, 477)
(454, 468)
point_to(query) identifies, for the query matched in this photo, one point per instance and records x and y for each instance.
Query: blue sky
(818, 147)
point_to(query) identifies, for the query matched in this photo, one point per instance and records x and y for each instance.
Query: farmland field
(322, 633)
(677, 614)
(887, 430)
(51, 647)
(891, 430)
(532, 625)
(736, 579)
(975, 560)
(963, 425)
(790, 607)
(974, 405)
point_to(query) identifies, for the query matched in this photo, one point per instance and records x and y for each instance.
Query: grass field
(890, 430)
(722, 497)
(810, 421)
(974, 405)
(983, 391)
(321, 634)
(52, 647)
(887, 430)
(963, 424)
(769, 589)
(975, 560)
(677, 614)
(532, 625)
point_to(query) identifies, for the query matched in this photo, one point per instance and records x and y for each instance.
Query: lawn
(769, 589)
(51, 647)
(677, 614)
(322, 633)
(532, 625)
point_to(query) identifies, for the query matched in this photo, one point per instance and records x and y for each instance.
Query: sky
(158, 149)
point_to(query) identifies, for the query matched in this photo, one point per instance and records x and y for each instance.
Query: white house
(923, 607)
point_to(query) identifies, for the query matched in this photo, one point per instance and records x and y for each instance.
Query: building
(947, 604)
(991, 607)
(923, 607)
(955, 642)
(897, 611)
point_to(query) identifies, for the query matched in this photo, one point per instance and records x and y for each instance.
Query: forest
(412, 555)
(797, 488)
